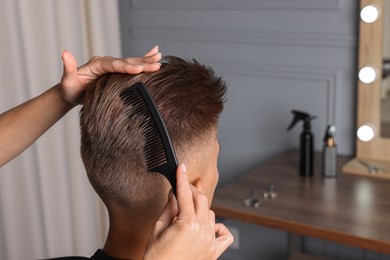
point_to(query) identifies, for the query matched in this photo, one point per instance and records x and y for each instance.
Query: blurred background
(276, 55)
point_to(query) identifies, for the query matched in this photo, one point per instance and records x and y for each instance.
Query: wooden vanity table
(350, 209)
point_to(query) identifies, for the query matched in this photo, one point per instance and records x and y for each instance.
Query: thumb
(168, 214)
(70, 64)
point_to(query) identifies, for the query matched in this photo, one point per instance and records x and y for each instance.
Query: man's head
(190, 98)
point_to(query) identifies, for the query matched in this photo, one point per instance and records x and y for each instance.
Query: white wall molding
(239, 5)
(327, 76)
(243, 36)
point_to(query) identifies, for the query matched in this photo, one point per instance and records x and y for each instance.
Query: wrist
(59, 92)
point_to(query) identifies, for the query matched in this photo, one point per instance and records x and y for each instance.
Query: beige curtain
(47, 207)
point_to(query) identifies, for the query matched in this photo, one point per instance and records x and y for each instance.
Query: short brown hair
(190, 98)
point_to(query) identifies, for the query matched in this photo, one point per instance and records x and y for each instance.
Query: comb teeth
(154, 148)
(158, 150)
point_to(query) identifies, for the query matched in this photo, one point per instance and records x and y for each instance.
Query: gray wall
(276, 55)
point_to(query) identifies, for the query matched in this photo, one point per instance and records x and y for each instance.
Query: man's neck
(128, 236)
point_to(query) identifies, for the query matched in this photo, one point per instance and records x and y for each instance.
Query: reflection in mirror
(385, 95)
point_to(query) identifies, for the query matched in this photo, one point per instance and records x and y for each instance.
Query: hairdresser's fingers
(155, 58)
(150, 67)
(223, 238)
(98, 66)
(212, 219)
(152, 51)
(201, 205)
(101, 65)
(150, 63)
(152, 58)
(169, 213)
(184, 194)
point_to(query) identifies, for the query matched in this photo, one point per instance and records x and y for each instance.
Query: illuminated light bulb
(365, 133)
(367, 74)
(369, 14)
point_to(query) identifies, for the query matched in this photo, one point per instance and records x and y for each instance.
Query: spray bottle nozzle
(330, 132)
(329, 136)
(305, 117)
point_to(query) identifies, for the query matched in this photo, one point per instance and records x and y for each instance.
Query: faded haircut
(190, 98)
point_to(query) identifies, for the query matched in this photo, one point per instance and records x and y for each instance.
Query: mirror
(385, 91)
(373, 92)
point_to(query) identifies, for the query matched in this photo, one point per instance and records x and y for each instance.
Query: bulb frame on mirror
(370, 145)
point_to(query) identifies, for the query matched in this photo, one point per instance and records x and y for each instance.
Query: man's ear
(198, 183)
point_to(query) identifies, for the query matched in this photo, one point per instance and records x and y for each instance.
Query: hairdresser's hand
(75, 80)
(186, 228)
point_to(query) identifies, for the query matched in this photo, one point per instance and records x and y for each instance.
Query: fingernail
(183, 167)
(140, 66)
(170, 194)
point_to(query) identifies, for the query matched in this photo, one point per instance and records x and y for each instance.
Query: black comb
(159, 153)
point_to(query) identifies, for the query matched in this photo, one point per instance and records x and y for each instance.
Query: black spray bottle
(306, 142)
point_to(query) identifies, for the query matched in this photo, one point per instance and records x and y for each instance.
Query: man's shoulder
(69, 258)
(99, 255)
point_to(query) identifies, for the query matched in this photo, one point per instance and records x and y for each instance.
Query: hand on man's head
(75, 80)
